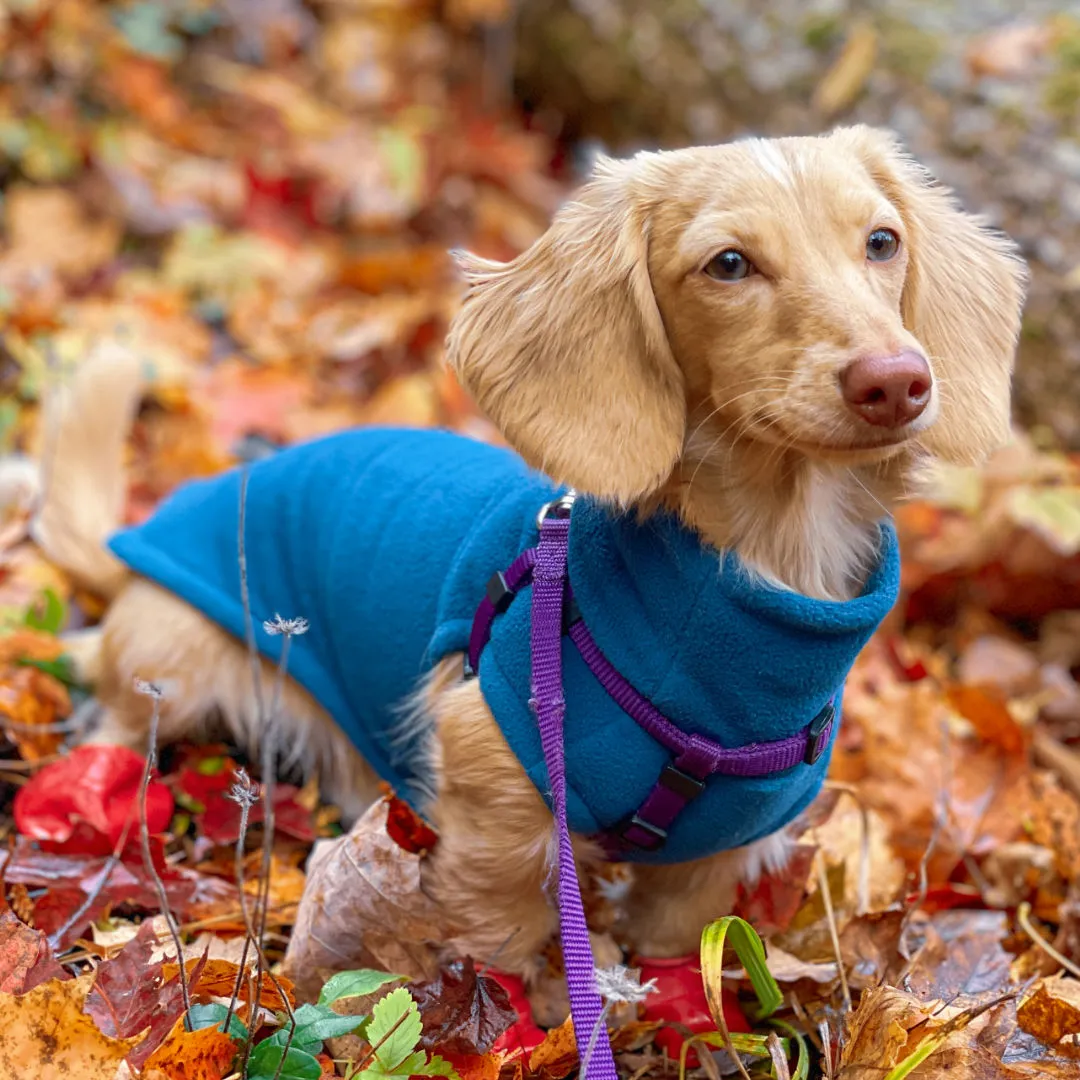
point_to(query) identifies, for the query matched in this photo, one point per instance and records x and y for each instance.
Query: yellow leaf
(1052, 512)
(845, 80)
(45, 1034)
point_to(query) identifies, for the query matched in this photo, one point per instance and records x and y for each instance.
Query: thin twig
(245, 795)
(834, 934)
(106, 873)
(1023, 917)
(154, 693)
(378, 1046)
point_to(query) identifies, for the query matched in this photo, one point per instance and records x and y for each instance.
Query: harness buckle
(642, 834)
(684, 785)
(559, 507)
(817, 734)
(499, 593)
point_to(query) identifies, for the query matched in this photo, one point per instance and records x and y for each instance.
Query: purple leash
(549, 590)
(695, 758)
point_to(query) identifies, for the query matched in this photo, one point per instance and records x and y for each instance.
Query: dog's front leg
(668, 905)
(492, 869)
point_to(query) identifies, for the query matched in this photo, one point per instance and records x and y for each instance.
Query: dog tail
(86, 421)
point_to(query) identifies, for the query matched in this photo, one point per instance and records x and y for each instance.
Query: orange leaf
(219, 977)
(988, 714)
(557, 1055)
(33, 698)
(206, 1054)
(1051, 1012)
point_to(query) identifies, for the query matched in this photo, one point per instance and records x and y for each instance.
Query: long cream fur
(608, 358)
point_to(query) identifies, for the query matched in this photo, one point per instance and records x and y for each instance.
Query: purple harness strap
(696, 758)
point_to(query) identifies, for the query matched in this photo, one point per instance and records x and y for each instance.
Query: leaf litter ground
(257, 200)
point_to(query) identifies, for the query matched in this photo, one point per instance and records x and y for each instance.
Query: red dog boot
(679, 998)
(523, 1035)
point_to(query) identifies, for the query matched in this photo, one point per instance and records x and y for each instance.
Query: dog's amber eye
(729, 265)
(882, 245)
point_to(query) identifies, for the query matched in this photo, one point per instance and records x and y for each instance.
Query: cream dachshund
(737, 358)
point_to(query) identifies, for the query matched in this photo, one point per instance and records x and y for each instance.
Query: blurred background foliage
(154, 145)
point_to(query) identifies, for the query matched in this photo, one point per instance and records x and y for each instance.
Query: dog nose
(887, 391)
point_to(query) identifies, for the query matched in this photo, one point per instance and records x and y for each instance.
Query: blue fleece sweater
(385, 539)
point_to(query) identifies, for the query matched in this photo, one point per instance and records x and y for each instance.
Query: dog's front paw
(769, 855)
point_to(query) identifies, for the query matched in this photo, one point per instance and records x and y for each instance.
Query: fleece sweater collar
(717, 650)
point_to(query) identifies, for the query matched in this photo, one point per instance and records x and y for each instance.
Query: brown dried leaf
(557, 1056)
(1051, 1012)
(463, 1013)
(363, 908)
(47, 1028)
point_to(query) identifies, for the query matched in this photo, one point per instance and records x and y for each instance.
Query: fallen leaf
(845, 80)
(206, 1054)
(463, 1013)
(557, 1056)
(363, 908)
(1051, 1011)
(218, 977)
(46, 1027)
(95, 785)
(26, 960)
(32, 698)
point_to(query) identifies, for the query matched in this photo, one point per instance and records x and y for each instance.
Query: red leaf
(131, 995)
(407, 830)
(772, 903)
(70, 878)
(463, 1012)
(219, 820)
(25, 957)
(94, 785)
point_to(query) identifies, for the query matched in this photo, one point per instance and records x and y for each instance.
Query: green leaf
(751, 953)
(61, 668)
(315, 1024)
(355, 984)
(211, 766)
(265, 1062)
(47, 614)
(438, 1067)
(395, 1019)
(204, 1016)
(802, 1059)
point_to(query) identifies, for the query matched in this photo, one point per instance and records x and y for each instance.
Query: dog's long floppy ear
(962, 299)
(565, 350)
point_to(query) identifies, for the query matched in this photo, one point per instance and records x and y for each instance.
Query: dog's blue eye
(882, 245)
(729, 265)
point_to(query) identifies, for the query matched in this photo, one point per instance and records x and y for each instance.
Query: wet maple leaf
(47, 1026)
(463, 1012)
(26, 960)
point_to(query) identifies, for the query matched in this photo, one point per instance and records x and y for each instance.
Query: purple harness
(695, 759)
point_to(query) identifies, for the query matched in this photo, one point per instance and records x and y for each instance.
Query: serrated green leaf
(438, 1066)
(213, 1015)
(265, 1062)
(395, 1019)
(315, 1024)
(355, 984)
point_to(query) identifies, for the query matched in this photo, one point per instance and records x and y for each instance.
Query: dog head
(822, 294)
